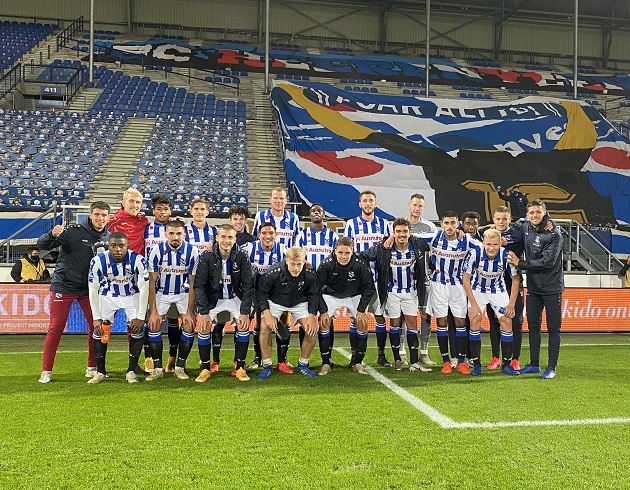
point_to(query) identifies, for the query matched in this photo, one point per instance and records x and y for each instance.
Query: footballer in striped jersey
(367, 230)
(317, 240)
(449, 247)
(198, 232)
(484, 285)
(172, 268)
(263, 254)
(287, 224)
(118, 279)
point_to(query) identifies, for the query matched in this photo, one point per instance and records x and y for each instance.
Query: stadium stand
(50, 159)
(18, 38)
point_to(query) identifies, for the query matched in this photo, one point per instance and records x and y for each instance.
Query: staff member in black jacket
(545, 284)
(346, 282)
(401, 286)
(70, 279)
(288, 287)
(224, 283)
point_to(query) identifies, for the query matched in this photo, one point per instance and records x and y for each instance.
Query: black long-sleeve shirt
(346, 281)
(280, 287)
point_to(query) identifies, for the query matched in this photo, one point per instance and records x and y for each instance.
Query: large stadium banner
(455, 152)
(26, 309)
(239, 57)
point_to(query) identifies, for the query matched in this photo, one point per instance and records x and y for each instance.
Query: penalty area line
(447, 423)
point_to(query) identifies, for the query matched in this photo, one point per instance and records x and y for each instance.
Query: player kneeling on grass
(346, 282)
(288, 287)
(172, 267)
(484, 285)
(224, 283)
(118, 279)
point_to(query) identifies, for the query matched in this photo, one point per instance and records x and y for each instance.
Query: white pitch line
(447, 423)
(418, 404)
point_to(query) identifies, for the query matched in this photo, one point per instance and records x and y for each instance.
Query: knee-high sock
(442, 338)
(217, 341)
(203, 344)
(174, 336)
(136, 341)
(332, 335)
(413, 343)
(425, 335)
(240, 348)
(156, 346)
(100, 349)
(256, 339)
(352, 334)
(475, 346)
(394, 340)
(361, 347)
(282, 347)
(185, 346)
(324, 346)
(495, 333)
(461, 342)
(381, 338)
(145, 341)
(506, 347)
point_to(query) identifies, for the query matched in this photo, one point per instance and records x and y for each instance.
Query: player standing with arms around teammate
(401, 287)
(367, 230)
(172, 266)
(70, 280)
(118, 279)
(545, 284)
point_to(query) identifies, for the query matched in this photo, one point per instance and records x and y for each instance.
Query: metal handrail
(8, 81)
(68, 33)
(6, 242)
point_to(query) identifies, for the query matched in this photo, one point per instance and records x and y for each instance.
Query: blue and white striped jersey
(261, 260)
(448, 256)
(317, 244)
(367, 233)
(173, 267)
(154, 233)
(487, 274)
(200, 237)
(118, 278)
(287, 227)
(402, 277)
(225, 284)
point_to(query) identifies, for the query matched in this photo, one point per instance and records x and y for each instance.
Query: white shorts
(298, 312)
(443, 296)
(110, 305)
(375, 306)
(497, 301)
(164, 302)
(405, 303)
(231, 306)
(351, 304)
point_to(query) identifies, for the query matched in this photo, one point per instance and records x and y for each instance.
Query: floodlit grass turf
(342, 431)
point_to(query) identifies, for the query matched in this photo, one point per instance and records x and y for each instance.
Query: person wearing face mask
(518, 202)
(30, 268)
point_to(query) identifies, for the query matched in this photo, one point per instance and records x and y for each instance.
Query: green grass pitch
(342, 431)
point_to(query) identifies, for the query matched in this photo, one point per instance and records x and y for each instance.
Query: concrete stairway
(264, 161)
(121, 163)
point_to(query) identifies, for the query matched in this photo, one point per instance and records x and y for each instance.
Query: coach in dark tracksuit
(207, 283)
(545, 284)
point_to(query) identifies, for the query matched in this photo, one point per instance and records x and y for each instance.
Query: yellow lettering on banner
(549, 193)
